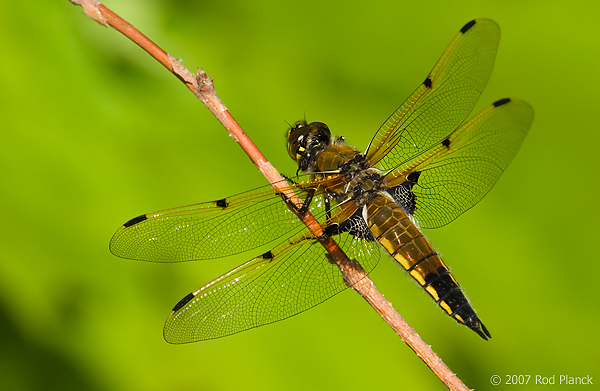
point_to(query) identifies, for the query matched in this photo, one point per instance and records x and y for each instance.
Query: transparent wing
(443, 101)
(453, 175)
(289, 279)
(210, 229)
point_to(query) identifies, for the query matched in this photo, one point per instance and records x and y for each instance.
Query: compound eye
(296, 142)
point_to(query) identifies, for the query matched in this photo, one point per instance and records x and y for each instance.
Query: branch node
(183, 73)
(205, 83)
(90, 8)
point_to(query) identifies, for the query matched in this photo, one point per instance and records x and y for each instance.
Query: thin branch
(354, 275)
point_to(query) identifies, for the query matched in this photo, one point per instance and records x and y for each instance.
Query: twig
(354, 275)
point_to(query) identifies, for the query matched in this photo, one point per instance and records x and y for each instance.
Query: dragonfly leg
(328, 207)
(289, 180)
(305, 204)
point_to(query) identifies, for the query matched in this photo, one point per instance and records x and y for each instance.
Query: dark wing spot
(501, 102)
(355, 225)
(330, 230)
(267, 255)
(222, 203)
(403, 194)
(446, 143)
(427, 83)
(135, 220)
(414, 177)
(183, 301)
(467, 26)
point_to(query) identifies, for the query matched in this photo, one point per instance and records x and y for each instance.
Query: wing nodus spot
(135, 220)
(468, 26)
(428, 83)
(413, 177)
(501, 102)
(446, 143)
(183, 301)
(267, 255)
(222, 203)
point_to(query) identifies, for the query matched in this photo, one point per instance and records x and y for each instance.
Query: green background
(94, 132)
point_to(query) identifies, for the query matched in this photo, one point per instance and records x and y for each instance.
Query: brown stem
(354, 275)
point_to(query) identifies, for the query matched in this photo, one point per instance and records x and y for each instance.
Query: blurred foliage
(95, 132)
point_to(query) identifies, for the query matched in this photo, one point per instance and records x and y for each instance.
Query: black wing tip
(183, 301)
(135, 221)
(501, 102)
(468, 26)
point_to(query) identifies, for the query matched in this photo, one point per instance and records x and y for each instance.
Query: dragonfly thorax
(363, 181)
(312, 146)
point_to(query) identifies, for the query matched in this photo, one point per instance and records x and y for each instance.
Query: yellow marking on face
(402, 261)
(432, 292)
(446, 307)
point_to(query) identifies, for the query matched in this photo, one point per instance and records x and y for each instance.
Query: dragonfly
(426, 165)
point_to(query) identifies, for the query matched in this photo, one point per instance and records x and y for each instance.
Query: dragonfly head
(305, 142)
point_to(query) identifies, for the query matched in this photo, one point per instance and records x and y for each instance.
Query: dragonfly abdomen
(396, 232)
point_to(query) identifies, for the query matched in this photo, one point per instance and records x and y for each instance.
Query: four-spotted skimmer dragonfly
(426, 165)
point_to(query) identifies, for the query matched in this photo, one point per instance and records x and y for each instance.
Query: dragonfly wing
(443, 101)
(452, 176)
(210, 229)
(289, 279)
